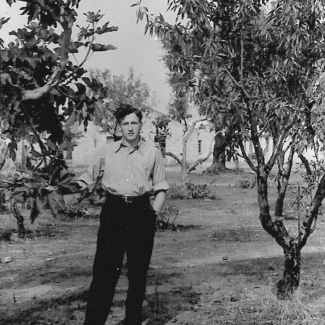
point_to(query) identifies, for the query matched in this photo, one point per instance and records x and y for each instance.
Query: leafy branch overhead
(41, 86)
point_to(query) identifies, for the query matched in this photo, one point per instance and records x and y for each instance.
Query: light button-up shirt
(128, 170)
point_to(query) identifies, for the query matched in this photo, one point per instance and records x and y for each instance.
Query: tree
(178, 111)
(253, 67)
(42, 91)
(119, 90)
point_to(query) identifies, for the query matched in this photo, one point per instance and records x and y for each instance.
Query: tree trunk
(283, 180)
(185, 176)
(18, 216)
(184, 167)
(218, 164)
(280, 201)
(219, 158)
(291, 273)
(292, 250)
(282, 189)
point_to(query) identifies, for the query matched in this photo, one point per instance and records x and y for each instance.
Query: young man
(132, 169)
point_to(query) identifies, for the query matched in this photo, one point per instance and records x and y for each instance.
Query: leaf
(4, 56)
(51, 145)
(35, 154)
(5, 78)
(100, 47)
(66, 178)
(73, 47)
(10, 2)
(71, 120)
(23, 190)
(106, 29)
(3, 21)
(86, 80)
(84, 110)
(66, 145)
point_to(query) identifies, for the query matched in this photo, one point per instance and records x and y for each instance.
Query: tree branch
(191, 129)
(201, 160)
(249, 162)
(237, 84)
(179, 161)
(310, 225)
(279, 144)
(306, 164)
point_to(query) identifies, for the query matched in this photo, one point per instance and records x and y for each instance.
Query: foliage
(93, 195)
(121, 90)
(247, 182)
(42, 90)
(161, 124)
(42, 189)
(191, 191)
(43, 94)
(167, 217)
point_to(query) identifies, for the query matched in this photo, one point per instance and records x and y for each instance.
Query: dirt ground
(220, 269)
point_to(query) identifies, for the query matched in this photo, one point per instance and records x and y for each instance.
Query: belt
(132, 198)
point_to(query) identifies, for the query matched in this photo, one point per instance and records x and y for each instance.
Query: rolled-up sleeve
(94, 169)
(159, 175)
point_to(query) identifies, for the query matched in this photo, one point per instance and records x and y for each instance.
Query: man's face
(131, 127)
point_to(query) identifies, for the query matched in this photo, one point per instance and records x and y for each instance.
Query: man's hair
(126, 109)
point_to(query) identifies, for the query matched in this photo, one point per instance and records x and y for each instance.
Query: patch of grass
(267, 309)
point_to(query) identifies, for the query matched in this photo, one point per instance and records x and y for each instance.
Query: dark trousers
(124, 228)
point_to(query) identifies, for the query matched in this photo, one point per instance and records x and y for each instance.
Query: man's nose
(130, 127)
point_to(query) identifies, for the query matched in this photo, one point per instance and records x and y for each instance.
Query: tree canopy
(121, 89)
(42, 90)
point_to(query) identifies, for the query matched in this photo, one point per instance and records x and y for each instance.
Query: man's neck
(131, 144)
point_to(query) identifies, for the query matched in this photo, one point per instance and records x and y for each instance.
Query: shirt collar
(119, 144)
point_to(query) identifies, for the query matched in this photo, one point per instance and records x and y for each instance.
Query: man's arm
(160, 186)
(159, 201)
